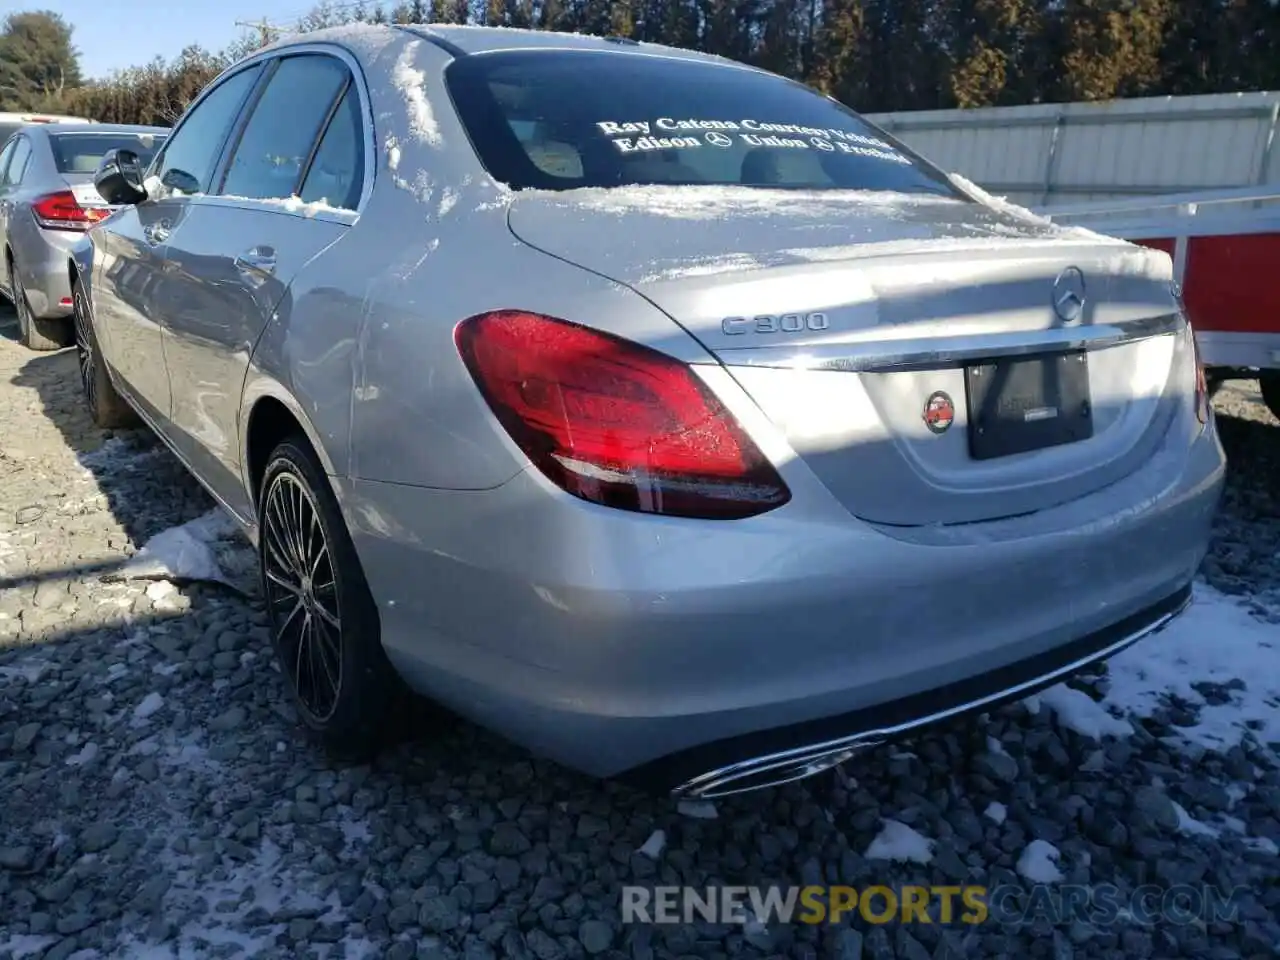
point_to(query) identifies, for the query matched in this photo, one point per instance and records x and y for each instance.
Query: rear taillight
(62, 211)
(614, 422)
(1202, 384)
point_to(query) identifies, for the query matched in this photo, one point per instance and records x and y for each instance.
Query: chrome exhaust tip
(772, 770)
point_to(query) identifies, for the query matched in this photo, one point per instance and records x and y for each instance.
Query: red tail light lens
(62, 211)
(614, 422)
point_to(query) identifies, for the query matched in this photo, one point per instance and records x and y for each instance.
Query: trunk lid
(849, 316)
(86, 194)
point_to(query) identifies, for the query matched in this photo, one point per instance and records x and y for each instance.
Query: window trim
(6, 155)
(369, 139)
(251, 108)
(325, 124)
(18, 140)
(157, 162)
(222, 168)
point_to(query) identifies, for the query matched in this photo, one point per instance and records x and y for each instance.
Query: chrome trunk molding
(924, 353)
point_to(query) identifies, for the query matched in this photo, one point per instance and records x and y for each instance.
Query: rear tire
(324, 622)
(1269, 384)
(107, 408)
(35, 333)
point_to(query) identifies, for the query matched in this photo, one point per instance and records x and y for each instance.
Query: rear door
(288, 191)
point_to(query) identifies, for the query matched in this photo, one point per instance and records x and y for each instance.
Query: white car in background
(10, 123)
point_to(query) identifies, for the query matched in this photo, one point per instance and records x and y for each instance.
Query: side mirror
(119, 178)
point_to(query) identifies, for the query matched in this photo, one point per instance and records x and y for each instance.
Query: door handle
(155, 233)
(258, 259)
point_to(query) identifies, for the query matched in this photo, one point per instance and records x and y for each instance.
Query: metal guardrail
(1186, 204)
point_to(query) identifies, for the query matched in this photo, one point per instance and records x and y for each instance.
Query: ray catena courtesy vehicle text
(654, 411)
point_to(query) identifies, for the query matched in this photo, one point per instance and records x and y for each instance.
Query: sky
(114, 34)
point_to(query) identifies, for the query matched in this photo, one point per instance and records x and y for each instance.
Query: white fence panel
(1080, 152)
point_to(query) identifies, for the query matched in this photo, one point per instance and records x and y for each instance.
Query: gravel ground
(158, 799)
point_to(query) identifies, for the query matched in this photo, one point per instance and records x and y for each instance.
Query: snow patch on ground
(1261, 845)
(897, 841)
(148, 705)
(697, 809)
(1078, 711)
(1039, 862)
(652, 848)
(25, 945)
(190, 552)
(1190, 825)
(255, 901)
(1217, 641)
(31, 671)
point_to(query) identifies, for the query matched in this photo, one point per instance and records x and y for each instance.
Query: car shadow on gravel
(1242, 558)
(147, 490)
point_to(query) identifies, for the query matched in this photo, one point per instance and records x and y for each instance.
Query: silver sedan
(47, 202)
(650, 409)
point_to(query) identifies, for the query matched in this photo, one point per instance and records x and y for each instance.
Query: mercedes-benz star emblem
(1069, 294)
(718, 140)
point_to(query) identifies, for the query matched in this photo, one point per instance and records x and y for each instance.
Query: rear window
(80, 152)
(558, 120)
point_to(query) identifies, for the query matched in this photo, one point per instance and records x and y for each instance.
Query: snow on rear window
(565, 119)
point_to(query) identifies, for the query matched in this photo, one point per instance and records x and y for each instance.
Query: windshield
(558, 119)
(8, 129)
(80, 152)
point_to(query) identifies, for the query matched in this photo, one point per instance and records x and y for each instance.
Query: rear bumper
(42, 257)
(616, 642)
(777, 756)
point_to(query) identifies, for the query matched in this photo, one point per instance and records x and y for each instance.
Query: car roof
(106, 128)
(41, 118)
(461, 40)
(477, 39)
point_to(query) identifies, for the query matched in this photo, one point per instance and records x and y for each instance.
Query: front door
(141, 280)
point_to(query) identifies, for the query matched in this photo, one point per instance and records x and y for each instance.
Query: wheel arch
(271, 413)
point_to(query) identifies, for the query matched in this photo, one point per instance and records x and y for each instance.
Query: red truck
(1225, 246)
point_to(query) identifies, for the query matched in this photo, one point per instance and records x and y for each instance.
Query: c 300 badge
(939, 412)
